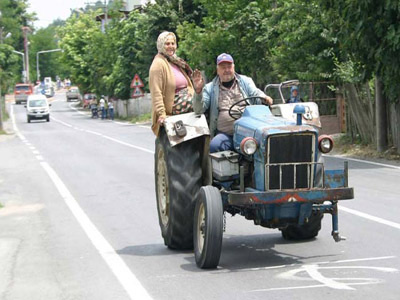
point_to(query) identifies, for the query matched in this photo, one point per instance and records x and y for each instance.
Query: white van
(37, 107)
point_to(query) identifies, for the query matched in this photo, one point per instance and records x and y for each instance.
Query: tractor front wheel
(208, 228)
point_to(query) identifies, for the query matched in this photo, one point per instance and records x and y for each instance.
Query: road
(80, 222)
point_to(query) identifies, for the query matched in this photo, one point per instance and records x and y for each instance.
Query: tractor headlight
(325, 143)
(248, 145)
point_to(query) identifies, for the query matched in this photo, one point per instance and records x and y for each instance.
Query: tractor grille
(290, 159)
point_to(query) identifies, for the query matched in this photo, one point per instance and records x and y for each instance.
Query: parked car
(22, 91)
(73, 93)
(87, 98)
(37, 107)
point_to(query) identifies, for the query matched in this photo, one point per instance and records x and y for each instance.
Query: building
(128, 6)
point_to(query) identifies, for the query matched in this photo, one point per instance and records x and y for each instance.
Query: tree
(368, 33)
(7, 61)
(80, 37)
(269, 40)
(13, 17)
(50, 64)
(135, 40)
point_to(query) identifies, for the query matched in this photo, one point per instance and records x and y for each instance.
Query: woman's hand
(198, 81)
(161, 120)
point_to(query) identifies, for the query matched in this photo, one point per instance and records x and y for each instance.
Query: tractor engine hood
(258, 122)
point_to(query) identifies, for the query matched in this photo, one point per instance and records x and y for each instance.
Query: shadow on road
(150, 250)
(238, 253)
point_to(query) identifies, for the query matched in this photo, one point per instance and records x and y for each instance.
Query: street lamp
(23, 65)
(37, 60)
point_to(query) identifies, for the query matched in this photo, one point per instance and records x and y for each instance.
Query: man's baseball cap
(224, 57)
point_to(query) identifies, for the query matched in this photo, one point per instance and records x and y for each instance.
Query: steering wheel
(238, 112)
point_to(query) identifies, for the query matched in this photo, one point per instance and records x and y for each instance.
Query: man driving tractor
(219, 95)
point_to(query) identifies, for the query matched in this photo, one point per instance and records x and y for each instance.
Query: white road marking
(363, 161)
(370, 217)
(124, 275)
(357, 260)
(94, 132)
(77, 110)
(313, 271)
(106, 137)
(147, 127)
(127, 279)
(116, 122)
(61, 122)
(127, 144)
(123, 123)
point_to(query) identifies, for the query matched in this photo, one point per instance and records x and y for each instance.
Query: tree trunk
(381, 117)
(394, 124)
(1, 110)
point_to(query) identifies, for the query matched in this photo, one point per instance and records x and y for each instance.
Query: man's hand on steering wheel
(236, 110)
(267, 100)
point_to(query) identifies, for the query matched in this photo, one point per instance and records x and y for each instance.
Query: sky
(49, 10)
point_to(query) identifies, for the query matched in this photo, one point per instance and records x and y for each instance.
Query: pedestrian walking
(111, 109)
(102, 103)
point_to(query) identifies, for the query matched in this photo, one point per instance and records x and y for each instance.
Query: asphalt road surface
(79, 221)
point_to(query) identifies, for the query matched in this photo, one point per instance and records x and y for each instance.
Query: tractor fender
(185, 127)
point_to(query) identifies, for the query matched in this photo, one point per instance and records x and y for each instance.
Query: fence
(331, 104)
(132, 107)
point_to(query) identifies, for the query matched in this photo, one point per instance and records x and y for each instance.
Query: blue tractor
(275, 177)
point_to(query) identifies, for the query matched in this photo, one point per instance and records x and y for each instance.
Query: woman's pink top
(180, 80)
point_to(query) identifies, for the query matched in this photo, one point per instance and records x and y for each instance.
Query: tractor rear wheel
(178, 181)
(306, 231)
(208, 228)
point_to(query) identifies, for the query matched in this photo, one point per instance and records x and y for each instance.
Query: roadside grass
(5, 115)
(138, 119)
(1, 206)
(345, 146)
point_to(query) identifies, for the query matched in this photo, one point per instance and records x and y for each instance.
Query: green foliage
(13, 17)
(233, 27)
(49, 63)
(82, 41)
(269, 40)
(299, 44)
(7, 66)
(135, 41)
(369, 33)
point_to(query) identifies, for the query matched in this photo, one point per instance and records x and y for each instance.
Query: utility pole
(104, 24)
(25, 30)
(105, 13)
(23, 65)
